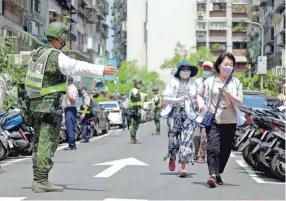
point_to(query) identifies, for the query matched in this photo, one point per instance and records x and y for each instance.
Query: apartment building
(221, 27)
(271, 15)
(119, 25)
(25, 20)
(148, 31)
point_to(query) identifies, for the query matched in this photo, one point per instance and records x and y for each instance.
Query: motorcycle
(5, 145)
(20, 135)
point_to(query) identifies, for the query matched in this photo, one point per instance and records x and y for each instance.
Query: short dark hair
(221, 58)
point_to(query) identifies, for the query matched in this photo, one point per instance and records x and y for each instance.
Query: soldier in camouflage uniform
(157, 105)
(136, 99)
(45, 84)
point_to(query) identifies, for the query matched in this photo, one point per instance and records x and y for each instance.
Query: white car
(115, 113)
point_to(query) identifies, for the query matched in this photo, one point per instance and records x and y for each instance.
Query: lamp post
(262, 48)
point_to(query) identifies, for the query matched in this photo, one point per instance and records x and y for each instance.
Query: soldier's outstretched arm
(72, 67)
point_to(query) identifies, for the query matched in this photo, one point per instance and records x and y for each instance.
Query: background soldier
(136, 104)
(45, 84)
(157, 106)
(85, 114)
(124, 104)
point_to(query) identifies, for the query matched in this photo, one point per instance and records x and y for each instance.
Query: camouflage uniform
(44, 115)
(136, 103)
(44, 86)
(157, 105)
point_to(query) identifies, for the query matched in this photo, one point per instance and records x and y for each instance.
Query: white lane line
(120, 199)
(251, 173)
(12, 198)
(59, 148)
(232, 155)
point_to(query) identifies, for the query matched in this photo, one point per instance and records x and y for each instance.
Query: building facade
(221, 26)
(271, 15)
(149, 35)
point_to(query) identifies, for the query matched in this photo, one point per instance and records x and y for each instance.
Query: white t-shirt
(72, 90)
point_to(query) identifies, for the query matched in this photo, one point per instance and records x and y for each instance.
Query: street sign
(262, 65)
(99, 60)
(117, 165)
(113, 63)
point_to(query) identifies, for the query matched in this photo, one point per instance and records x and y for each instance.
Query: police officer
(157, 105)
(124, 104)
(45, 84)
(85, 115)
(136, 104)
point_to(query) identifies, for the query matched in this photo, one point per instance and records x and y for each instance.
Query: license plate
(10, 144)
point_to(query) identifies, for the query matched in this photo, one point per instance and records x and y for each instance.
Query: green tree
(253, 83)
(181, 53)
(130, 70)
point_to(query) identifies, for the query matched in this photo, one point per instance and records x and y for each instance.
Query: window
(37, 6)
(201, 25)
(219, 6)
(201, 7)
(239, 45)
(272, 33)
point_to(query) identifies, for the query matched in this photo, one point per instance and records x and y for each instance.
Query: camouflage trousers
(157, 120)
(46, 138)
(135, 121)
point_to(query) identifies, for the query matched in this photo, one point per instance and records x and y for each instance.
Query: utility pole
(262, 49)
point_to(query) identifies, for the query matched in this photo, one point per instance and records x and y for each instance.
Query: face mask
(185, 74)
(139, 86)
(227, 70)
(207, 74)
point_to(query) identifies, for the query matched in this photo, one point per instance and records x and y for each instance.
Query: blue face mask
(207, 74)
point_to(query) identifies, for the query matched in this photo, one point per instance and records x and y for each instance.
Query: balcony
(91, 15)
(201, 26)
(81, 11)
(254, 6)
(279, 6)
(218, 26)
(218, 47)
(280, 40)
(239, 8)
(106, 8)
(239, 27)
(201, 36)
(264, 3)
(38, 18)
(218, 10)
(239, 52)
(217, 36)
(201, 7)
(22, 4)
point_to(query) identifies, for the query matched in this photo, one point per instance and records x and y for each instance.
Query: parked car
(115, 113)
(99, 123)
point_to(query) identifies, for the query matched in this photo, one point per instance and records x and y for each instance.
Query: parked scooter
(5, 145)
(20, 135)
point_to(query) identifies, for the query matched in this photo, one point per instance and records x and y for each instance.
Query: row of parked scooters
(15, 137)
(262, 140)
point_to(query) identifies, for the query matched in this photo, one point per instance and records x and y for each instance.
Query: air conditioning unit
(32, 28)
(84, 48)
(14, 59)
(200, 13)
(124, 26)
(4, 32)
(25, 56)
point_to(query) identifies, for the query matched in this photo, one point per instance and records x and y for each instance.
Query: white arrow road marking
(119, 199)
(12, 198)
(118, 165)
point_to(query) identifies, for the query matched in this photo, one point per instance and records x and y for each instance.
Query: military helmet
(155, 89)
(57, 30)
(138, 80)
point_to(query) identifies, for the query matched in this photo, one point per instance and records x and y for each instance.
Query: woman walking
(222, 94)
(180, 96)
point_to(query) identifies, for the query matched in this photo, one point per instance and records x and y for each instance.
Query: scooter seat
(16, 136)
(21, 144)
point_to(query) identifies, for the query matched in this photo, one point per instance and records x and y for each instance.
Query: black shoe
(212, 182)
(219, 180)
(69, 148)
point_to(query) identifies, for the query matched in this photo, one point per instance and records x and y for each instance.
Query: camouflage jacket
(52, 76)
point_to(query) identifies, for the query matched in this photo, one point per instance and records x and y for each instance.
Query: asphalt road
(140, 175)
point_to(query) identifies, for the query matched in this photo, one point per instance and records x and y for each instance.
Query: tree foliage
(253, 83)
(128, 72)
(181, 53)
